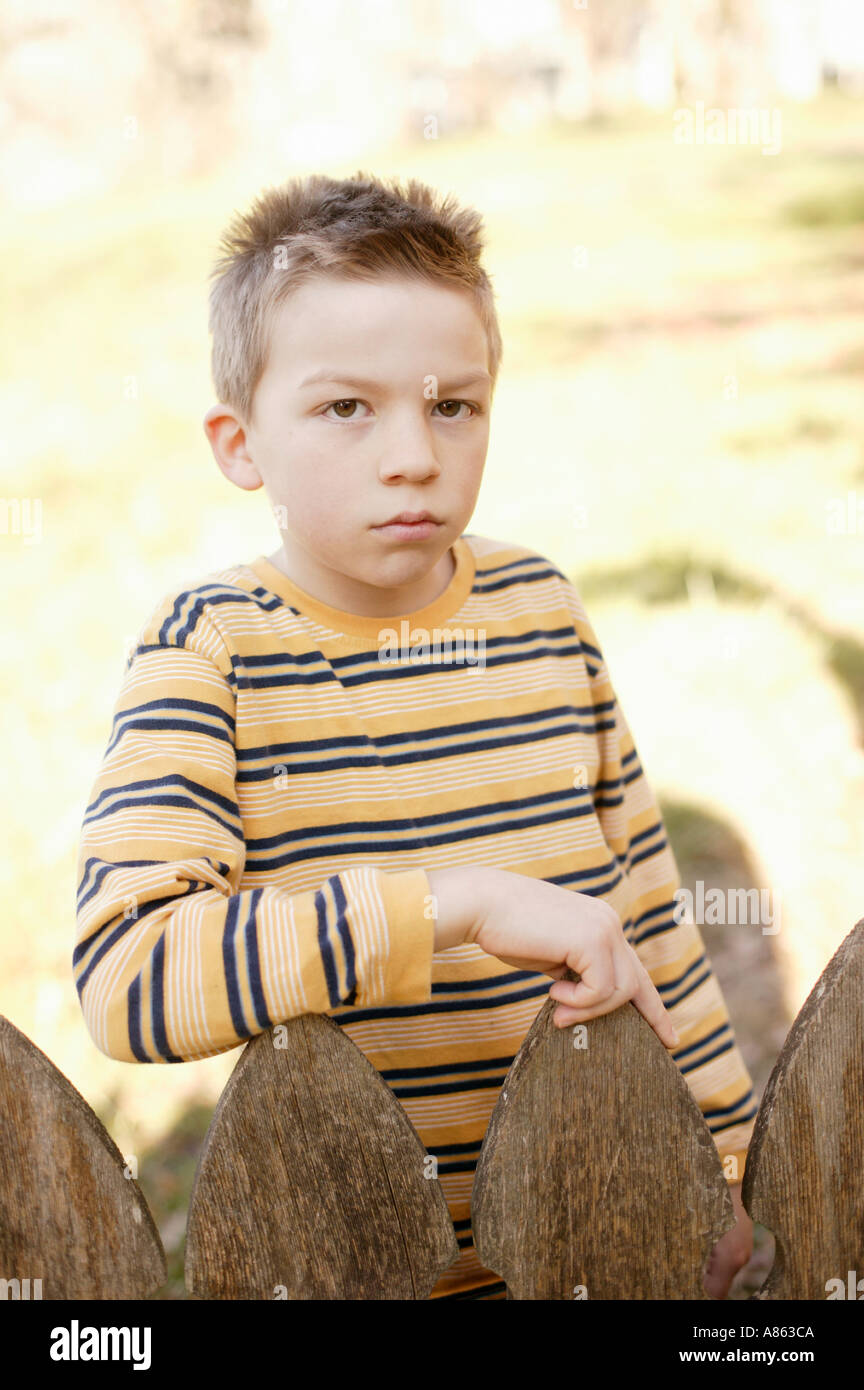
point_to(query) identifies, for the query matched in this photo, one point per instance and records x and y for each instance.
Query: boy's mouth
(409, 526)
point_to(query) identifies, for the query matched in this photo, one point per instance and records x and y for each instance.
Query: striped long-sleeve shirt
(279, 779)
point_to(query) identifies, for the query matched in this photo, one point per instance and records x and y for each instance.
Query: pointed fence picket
(597, 1178)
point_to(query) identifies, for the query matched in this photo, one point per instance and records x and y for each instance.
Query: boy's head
(378, 291)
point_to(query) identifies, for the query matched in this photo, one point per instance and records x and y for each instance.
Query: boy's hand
(732, 1250)
(535, 925)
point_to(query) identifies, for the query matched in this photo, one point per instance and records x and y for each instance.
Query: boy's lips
(409, 526)
(408, 518)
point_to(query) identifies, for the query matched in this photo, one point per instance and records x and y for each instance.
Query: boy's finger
(651, 1007)
(597, 982)
(562, 1018)
(581, 997)
(565, 1014)
(653, 993)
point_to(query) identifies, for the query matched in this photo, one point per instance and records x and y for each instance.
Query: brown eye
(337, 404)
(456, 406)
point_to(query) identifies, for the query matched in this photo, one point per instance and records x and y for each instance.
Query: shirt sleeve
(673, 952)
(173, 960)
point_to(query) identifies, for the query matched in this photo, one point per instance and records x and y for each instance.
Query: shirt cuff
(409, 939)
(734, 1162)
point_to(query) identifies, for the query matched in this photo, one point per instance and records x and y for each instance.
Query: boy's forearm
(262, 955)
(459, 896)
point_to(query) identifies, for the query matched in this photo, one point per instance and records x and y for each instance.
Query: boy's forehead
(328, 321)
(325, 288)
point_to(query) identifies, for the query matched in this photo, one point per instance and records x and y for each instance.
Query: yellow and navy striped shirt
(278, 780)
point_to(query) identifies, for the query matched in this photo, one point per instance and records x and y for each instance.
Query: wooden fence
(597, 1172)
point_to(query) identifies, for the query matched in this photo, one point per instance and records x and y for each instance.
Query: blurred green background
(677, 426)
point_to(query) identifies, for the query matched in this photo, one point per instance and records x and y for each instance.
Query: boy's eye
(345, 409)
(443, 404)
(337, 406)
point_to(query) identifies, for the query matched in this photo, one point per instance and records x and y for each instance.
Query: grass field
(677, 423)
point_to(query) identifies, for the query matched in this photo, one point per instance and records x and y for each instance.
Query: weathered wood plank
(598, 1176)
(312, 1183)
(804, 1178)
(68, 1216)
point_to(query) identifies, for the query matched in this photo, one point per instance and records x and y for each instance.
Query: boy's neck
(348, 595)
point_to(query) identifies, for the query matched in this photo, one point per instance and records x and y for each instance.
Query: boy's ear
(226, 432)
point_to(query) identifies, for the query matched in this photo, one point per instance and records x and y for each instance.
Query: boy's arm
(172, 960)
(673, 953)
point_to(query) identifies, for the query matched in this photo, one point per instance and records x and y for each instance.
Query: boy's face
(397, 421)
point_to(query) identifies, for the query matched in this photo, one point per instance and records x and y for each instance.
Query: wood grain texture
(598, 1171)
(804, 1178)
(68, 1216)
(311, 1183)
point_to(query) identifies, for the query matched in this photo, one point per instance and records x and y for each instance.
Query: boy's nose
(409, 456)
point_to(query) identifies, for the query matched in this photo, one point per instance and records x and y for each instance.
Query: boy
(302, 807)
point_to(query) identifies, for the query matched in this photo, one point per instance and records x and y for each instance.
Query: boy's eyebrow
(343, 379)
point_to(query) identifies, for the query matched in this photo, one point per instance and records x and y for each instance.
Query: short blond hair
(361, 228)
